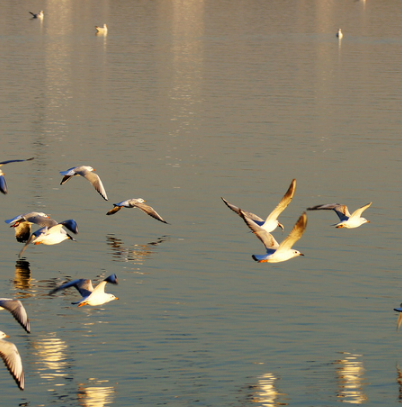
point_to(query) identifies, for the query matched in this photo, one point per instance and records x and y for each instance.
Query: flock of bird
(51, 232)
(99, 30)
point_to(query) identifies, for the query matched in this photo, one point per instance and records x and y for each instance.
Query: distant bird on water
(339, 34)
(136, 203)
(101, 30)
(271, 222)
(3, 184)
(347, 220)
(91, 296)
(12, 359)
(37, 15)
(87, 172)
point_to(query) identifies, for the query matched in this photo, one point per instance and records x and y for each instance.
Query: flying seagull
(347, 220)
(271, 222)
(136, 203)
(37, 15)
(277, 252)
(12, 359)
(3, 184)
(90, 295)
(87, 172)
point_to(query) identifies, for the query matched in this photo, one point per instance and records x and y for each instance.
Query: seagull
(91, 296)
(12, 360)
(136, 203)
(101, 30)
(3, 184)
(22, 224)
(87, 172)
(347, 220)
(398, 323)
(339, 34)
(37, 15)
(277, 252)
(17, 311)
(271, 223)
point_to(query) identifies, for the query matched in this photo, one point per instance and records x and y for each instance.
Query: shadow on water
(137, 253)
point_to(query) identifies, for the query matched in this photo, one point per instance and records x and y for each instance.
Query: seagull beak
(281, 226)
(368, 221)
(116, 298)
(301, 254)
(7, 336)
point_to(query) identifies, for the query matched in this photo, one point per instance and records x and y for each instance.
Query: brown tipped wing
(12, 359)
(114, 210)
(266, 238)
(285, 201)
(150, 211)
(237, 210)
(295, 234)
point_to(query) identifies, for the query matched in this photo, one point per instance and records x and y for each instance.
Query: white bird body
(136, 203)
(90, 295)
(271, 222)
(12, 359)
(347, 220)
(87, 172)
(101, 30)
(276, 252)
(339, 34)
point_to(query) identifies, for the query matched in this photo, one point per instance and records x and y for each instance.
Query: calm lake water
(184, 102)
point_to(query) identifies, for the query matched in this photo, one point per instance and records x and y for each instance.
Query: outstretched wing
(17, 310)
(266, 238)
(250, 215)
(83, 286)
(358, 212)
(150, 211)
(295, 234)
(285, 201)
(341, 210)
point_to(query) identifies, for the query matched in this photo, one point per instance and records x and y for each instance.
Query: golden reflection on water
(135, 253)
(350, 373)
(265, 391)
(52, 361)
(95, 396)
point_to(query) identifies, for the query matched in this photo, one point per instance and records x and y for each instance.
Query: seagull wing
(285, 201)
(111, 279)
(341, 210)
(12, 359)
(17, 311)
(114, 210)
(3, 184)
(15, 161)
(358, 212)
(295, 234)
(150, 211)
(95, 181)
(83, 286)
(33, 236)
(266, 238)
(250, 215)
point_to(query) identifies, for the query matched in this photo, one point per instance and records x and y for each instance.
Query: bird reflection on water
(136, 253)
(350, 373)
(22, 279)
(265, 392)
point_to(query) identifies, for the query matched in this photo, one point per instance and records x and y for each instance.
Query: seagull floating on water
(136, 203)
(12, 359)
(277, 252)
(271, 223)
(37, 15)
(17, 310)
(91, 296)
(101, 30)
(339, 34)
(347, 220)
(87, 172)
(3, 184)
